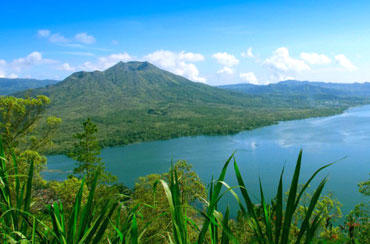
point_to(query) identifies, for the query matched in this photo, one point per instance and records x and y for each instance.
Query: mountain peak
(131, 66)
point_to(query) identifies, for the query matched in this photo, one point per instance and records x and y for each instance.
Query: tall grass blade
(248, 201)
(134, 230)
(290, 208)
(279, 208)
(73, 220)
(309, 181)
(225, 238)
(266, 215)
(213, 202)
(311, 208)
(87, 211)
(99, 235)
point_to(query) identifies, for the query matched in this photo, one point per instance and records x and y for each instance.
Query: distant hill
(304, 88)
(9, 86)
(350, 89)
(137, 101)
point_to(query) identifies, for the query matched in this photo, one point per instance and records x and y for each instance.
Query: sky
(214, 42)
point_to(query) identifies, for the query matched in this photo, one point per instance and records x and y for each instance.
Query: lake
(260, 153)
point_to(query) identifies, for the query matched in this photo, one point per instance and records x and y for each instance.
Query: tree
(329, 209)
(86, 152)
(155, 204)
(25, 131)
(364, 188)
(21, 127)
(358, 221)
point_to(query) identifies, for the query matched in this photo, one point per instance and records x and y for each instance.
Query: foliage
(271, 224)
(364, 188)
(330, 210)
(86, 152)
(86, 223)
(191, 190)
(358, 221)
(21, 123)
(18, 119)
(66, 190)
(166, 199)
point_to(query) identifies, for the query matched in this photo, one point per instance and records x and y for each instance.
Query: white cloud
(226, 59)
(43, 33)
(3, 74)
(32, 59)
(283, 65)
(250, 77)
(107, 61)
(225, 70)
(248, 53)
(112, 59)
(177, 63)
(345, 63)
(88, 66)
(3, 66)
(281, 60)
(19, 65)
(66, 67)
(52, 37)
(84, 38)
(58, 38)
(315, 58)
(191, 57)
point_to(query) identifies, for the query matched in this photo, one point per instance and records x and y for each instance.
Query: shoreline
(342, 110)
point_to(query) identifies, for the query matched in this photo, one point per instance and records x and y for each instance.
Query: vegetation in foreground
(89, 207)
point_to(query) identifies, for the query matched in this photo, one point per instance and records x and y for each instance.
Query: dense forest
(175, 207)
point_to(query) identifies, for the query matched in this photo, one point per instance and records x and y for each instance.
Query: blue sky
(216, 42)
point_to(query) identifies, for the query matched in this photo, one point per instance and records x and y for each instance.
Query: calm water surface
(260, 153)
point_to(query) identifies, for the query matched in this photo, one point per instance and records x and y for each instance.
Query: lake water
(260, 153)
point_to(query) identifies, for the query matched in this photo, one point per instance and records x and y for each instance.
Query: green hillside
(136, 101)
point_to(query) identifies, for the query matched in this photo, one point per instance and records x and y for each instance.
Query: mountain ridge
(302, 87)
(13, 85)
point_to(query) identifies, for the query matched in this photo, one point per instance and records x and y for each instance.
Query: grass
(278, 231)
(86, 224)
(91, 222)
